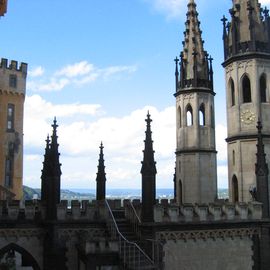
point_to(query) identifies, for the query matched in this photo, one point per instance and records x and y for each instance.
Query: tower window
(235, 191)
(202, 115)
(246, 89)
(179, 118)
(263, 88)
(10, 117)
(212, 118)
(232, 92)
(13, 81)
(189, 115)
(8, 172)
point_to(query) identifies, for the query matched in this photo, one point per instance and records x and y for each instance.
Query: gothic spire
(261, 170)
(148, 163)
(45, 171)
(194, 59)
(101, 176)
(248, 31)
(56, 166)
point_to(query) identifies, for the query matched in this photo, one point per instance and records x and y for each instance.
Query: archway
(13, 254)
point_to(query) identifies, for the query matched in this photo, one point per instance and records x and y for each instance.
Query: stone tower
(196, 169)
(12, 95)
(247, 70)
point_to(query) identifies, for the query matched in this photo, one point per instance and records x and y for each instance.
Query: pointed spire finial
(193, 64)
(101, 176)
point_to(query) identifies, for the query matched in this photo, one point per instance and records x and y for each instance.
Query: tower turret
(247, 68)
(148, 172)
(196, 172)
(12, 96)
(248, 31)
(101, 176)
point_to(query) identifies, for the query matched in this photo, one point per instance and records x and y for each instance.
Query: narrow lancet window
(202, 115)
(232, 92)
(263, 88)
(246, 90)
(179, 118)
(189, 115)
(235, 191)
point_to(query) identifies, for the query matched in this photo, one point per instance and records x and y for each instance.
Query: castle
(195, 231)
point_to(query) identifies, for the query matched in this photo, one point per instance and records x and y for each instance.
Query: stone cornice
(206, 234)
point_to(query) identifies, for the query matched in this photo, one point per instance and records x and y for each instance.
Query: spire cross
(224, 20)
(54, 124)
(266, 12)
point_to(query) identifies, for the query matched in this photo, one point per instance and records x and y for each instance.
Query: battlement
(35, 209)
(12, 77)
(164, 211)
(169, 211)
(13, 65)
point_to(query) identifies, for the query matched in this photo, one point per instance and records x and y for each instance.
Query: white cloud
(79, 74)
(172, 8)
(79, 143)
(53, 85)
(222, 176)
(77, 69)
(123, 138)
(221, 133)
(265, 2)
(36, 72)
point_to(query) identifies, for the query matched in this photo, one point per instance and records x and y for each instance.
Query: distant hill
(29, 193)
(86, 194)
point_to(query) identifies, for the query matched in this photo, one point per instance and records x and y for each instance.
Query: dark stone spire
(148, 172)
(45, 171)
(194, 61)
(101, 176)
(262, 172)
(51, 175)
(248, 32)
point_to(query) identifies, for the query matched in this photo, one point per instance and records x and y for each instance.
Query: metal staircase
(131, 255)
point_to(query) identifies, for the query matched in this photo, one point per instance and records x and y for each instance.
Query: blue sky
(98, 66)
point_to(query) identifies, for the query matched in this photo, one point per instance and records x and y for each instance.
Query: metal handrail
(133, 218)
(135, 212)
(128, 248)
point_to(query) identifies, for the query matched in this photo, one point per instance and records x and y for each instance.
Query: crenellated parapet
(13, 77)
(168, 211)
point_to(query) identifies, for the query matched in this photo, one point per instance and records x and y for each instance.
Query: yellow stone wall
(15, 96)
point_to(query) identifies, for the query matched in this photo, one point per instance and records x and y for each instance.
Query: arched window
(231, 84)
(189, 115)
(263, 88)
(180, 192)
(212, 118)
(246, 90)
(235, 192)
(179, 119)
(202, 115)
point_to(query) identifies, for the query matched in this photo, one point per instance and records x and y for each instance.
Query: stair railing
(133, 217)
(132, 256)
